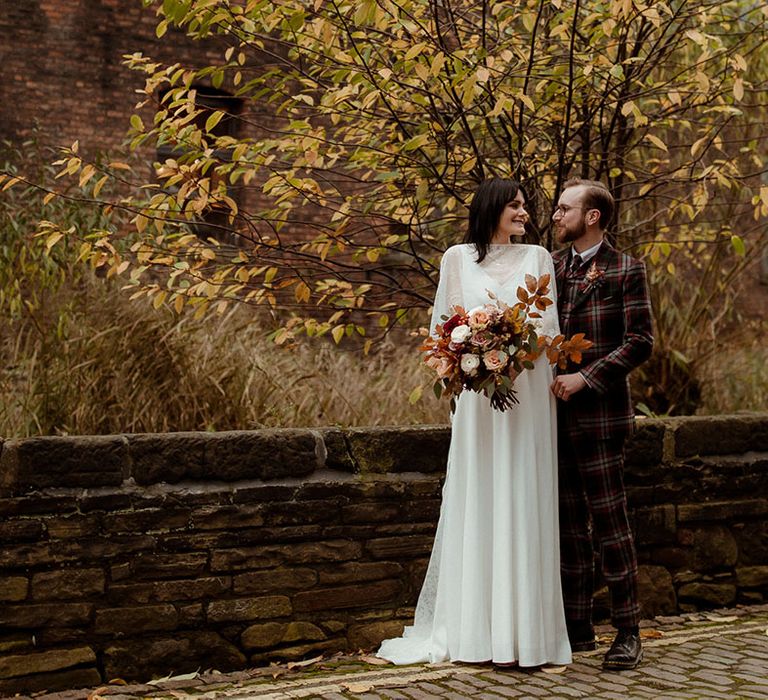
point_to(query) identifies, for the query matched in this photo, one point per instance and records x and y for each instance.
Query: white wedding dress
(492, 588)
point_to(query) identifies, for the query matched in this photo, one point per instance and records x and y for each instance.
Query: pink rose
(443, 366)
(495, 359)
(479, 318)
(482, 339)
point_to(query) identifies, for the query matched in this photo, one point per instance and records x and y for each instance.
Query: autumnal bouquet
(486, 348)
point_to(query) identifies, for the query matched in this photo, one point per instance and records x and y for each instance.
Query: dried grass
(100, 364)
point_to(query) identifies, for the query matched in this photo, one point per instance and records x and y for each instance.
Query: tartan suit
(614, 312)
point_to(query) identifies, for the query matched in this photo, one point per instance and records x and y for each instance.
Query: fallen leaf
(96, 694)
(357, 687)
(553, 669)
(302, 664)
(374, 660)
(118, 681)
(182, 677)
(718, 618)
(651, 634)
(155, 681)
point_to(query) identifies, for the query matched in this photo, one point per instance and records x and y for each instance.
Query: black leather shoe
(581, 635)
(626, 651)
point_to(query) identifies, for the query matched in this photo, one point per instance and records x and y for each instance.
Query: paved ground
(698, 656)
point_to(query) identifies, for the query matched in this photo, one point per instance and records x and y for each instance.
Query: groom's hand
(566, 385)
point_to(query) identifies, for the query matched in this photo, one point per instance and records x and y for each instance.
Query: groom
(603, 294)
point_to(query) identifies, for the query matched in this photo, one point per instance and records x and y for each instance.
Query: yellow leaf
(414, 51)
(178, 303)
(738, 89)
(53, 239)
(159, 299)
(527, 101)
(738, 245)
(646, 188)
(302, 292)
(697, 146)
(338, 334)
(97, 187)
(415, 395)
(86, 174)
(627, 108)
(48, 197)
(213, 120)
(656, 141)
(468, 164)
(270, 275)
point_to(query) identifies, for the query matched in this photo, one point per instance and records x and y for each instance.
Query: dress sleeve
(448, 292)
(550, 324)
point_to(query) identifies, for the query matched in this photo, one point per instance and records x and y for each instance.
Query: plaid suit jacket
(614, 312)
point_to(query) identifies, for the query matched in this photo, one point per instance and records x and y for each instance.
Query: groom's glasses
(563, 209)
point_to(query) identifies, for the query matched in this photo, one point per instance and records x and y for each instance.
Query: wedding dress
(492, 588)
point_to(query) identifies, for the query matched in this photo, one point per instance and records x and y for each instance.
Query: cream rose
(460, 333)
(469, 363)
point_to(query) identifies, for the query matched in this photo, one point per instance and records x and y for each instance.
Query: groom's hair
(596, 196)
(485, 210)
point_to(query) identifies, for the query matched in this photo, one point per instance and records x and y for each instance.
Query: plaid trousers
(593, 509)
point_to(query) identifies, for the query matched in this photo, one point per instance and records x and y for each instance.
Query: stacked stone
(699, 491)
(138, 555)
(128, 556)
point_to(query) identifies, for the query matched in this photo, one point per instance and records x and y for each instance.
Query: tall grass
(103, 364)
(737, 379)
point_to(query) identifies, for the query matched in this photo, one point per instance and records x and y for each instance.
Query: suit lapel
(560, 262)
(603, 258)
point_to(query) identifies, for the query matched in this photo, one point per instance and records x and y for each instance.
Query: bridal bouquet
(486, 348)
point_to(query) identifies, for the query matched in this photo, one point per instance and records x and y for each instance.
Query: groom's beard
(568, 234)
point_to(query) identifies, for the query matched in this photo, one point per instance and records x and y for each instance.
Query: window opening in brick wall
(213, 221)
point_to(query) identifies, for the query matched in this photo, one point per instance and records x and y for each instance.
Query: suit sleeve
(637, 341)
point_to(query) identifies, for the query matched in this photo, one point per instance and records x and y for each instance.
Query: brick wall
(63, 72)
(62, 68)
(133, 555)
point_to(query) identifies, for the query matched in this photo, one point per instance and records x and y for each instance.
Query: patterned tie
(575, 265)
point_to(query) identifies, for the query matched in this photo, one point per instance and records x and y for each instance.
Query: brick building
(63, 67)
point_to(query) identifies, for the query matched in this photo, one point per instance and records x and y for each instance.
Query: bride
(492, 588)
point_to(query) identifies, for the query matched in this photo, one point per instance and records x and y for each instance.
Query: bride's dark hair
(485, 211)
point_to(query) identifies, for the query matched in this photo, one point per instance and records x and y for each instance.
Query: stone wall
(133, 555)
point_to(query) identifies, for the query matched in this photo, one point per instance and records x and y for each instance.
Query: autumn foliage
(364, 126)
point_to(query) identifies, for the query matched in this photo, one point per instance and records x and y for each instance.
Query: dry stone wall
(138, 555)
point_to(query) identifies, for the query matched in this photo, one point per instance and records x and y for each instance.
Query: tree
(381, 116)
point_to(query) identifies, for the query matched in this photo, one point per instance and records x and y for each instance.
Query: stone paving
(700, 656)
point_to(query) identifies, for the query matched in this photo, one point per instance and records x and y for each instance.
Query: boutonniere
(593, 278)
